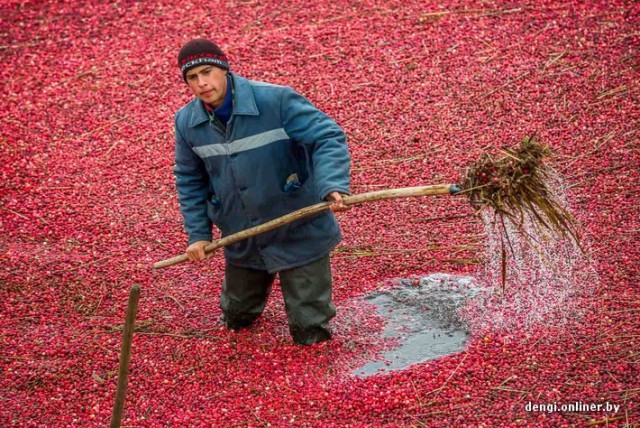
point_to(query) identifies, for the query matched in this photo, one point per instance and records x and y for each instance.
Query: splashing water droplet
(547, 276)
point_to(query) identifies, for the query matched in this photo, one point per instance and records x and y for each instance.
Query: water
(422, 319)
(549, 280)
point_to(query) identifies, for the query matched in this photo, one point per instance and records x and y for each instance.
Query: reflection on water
(422, 319)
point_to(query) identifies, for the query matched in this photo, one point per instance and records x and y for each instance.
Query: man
(246, 153)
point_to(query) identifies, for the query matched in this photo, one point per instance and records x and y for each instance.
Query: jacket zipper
(213, 120)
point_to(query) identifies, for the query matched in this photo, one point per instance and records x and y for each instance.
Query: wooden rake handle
(404, 192)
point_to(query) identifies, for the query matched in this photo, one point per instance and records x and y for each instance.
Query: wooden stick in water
(125, 356)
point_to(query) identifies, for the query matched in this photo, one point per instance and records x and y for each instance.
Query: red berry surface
(422, 89)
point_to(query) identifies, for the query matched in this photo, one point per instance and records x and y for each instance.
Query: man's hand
(195, 251)
(338, 202)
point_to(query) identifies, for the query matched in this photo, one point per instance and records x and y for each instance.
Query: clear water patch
(422, 321)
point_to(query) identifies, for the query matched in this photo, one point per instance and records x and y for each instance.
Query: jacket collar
(244, 102)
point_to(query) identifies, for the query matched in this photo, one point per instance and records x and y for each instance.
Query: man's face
(209, 83)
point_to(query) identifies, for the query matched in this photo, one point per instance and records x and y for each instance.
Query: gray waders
(307, 296)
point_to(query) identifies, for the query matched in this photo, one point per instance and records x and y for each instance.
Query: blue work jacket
(278, 154)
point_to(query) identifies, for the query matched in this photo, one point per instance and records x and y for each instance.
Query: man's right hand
(195, 251)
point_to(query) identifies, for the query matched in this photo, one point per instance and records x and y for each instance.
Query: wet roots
(514, 186)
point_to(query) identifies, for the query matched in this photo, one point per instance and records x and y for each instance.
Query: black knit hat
(200, 52)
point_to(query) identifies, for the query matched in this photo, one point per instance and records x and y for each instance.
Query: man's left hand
(338, 202)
